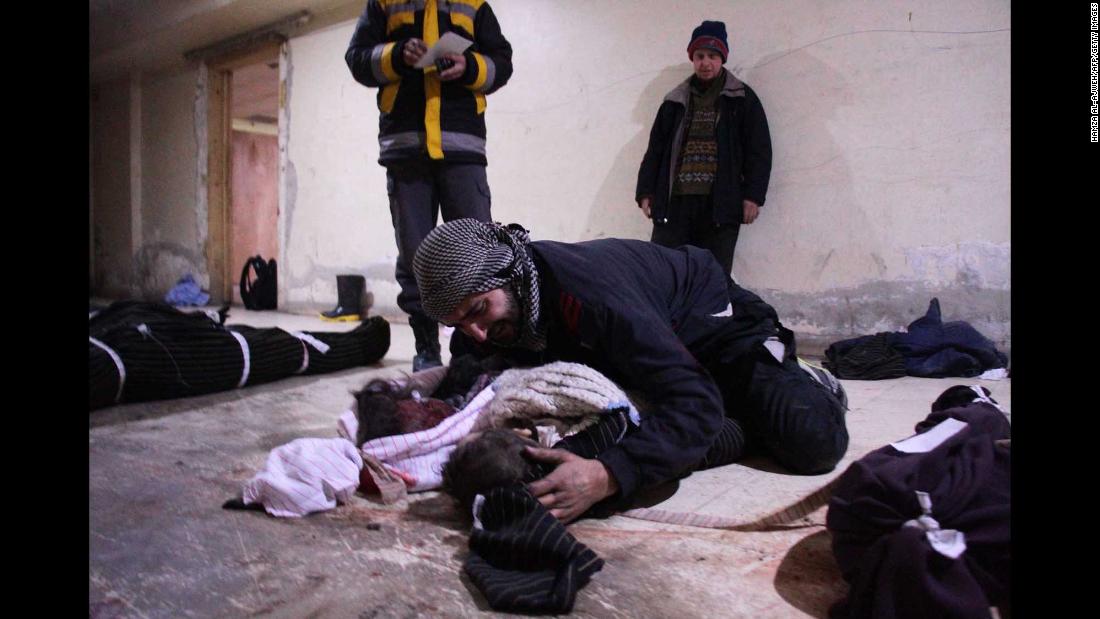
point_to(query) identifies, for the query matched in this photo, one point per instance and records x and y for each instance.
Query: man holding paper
(433, 61)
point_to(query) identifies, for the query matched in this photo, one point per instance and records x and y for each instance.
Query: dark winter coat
(422, 117)
(654, 320)
(744, 152)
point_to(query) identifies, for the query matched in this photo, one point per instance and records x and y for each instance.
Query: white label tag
(927, 441)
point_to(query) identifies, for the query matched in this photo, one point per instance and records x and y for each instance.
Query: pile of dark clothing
(139, 351)
(921, 528)
(929, 348)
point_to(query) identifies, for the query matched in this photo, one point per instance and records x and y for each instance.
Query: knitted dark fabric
(363, 345)
(166, 353)
(870, 357)
(543, 577)
(728, 447)
(893, 570)
(710, 35)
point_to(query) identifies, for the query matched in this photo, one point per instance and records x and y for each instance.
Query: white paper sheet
(449, 43)
(930, 439)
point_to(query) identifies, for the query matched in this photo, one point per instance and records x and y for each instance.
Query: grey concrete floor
(161, 546)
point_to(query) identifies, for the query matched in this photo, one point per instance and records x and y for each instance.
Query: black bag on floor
(259, 284)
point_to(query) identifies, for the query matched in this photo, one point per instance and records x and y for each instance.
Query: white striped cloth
(306, 475)
(421, 455)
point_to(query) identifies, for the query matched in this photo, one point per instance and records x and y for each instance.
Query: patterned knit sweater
(698, 165)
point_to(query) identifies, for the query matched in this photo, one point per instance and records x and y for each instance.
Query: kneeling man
(666, 323)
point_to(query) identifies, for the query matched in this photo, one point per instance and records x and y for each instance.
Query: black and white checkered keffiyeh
(467, 256)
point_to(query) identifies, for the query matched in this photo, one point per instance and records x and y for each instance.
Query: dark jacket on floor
(744, 151)
(934, 349)
(929, 348)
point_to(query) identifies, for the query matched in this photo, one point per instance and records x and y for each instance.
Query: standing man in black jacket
(667, 323)
(431, 129)
(709, 158)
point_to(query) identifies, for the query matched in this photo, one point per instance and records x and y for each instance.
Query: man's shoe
(426, 360)
(426, 332)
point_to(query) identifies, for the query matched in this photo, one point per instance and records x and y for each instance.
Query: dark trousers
(691, 222)
(418, 190)
(772, 408)
(783, 412)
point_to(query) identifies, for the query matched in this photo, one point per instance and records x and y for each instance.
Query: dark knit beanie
(710, 35)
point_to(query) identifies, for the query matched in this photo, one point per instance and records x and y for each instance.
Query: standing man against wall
(709, 158)
(431, 129)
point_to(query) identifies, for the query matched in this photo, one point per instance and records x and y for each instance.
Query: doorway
(254, 166)
(244, 98)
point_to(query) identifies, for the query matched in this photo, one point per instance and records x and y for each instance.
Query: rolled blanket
(568, 396)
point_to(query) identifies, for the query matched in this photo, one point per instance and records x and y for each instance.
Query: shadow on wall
(811, 216)
(614, 202)
(833, 281)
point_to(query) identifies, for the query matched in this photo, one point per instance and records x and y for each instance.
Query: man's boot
(426, 332)
(349, 294)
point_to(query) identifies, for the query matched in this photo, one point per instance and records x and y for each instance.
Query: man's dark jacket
(653, 319)
(744, 152)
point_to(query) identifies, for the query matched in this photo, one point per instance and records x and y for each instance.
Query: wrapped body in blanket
(572, 407)
(563, 405)
(413, 435)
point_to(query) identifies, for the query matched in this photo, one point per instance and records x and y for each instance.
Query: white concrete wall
(145, 220)
(171, 244)
(890, 126)
(111, 189)
(889, 121)
(336, 217)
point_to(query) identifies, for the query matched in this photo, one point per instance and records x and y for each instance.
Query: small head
(486, 460)
(708, 49)
(470, 274)
(377, 415)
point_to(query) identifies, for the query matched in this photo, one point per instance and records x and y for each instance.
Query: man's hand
(413, 50)
(575, 485)
(456, 70)
(752, 211)
(644, 204)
